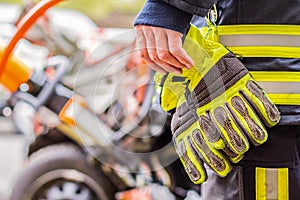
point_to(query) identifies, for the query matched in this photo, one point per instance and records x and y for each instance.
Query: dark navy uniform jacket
(283, 146)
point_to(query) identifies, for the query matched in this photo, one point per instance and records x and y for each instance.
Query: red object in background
(22, 27)
(143, 193)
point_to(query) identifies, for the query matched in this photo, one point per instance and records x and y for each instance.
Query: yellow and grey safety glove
(218, 108)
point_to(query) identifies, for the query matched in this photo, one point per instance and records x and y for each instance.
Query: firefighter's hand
(162, 49)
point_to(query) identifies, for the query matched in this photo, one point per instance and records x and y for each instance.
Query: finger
(151, 49)
(212, 135)
(248, 120)
(261, 103)
(157, 68)
(141, 41)
(148, 61)
(142, 48)
(210, 131)
(232, 156)
(193, 165)
(144, 55)
(230, 131)
(212, 157)
(142, 45)
(176, 49)
(194, 149)
(161, 40)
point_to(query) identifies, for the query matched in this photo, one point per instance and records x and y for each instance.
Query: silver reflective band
(281, 87)
(271, 183)
(260, 40)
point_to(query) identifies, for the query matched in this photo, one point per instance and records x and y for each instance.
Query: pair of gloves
(219, 108)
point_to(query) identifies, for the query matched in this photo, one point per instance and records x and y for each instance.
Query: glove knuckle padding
(220, 110)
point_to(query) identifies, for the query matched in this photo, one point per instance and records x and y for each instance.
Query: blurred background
(104, 13)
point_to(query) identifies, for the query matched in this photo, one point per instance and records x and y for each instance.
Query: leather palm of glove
(221, 109)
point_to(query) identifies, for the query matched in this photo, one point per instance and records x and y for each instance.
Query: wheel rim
(68, 190)
(65, 184)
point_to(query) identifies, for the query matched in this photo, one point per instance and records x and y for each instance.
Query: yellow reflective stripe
(276, 50)
(271, 184)
(283, 184)
(258, 29)
(282, 87)
(266, 51)
(260, 183)
(279, 76)
(285, 99)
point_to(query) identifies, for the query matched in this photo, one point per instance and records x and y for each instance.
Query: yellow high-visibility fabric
(256, 29)
(272, 48)
(271, 183)
(216, 33)
(260, 183)
(283, 184)
(282, 87)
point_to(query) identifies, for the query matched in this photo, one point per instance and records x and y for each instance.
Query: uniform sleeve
(195, 7)
(161, 14)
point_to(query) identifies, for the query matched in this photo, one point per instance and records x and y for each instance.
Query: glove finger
(192, 145)
(230, 131)
(261, 103)
(232, 156)
(210, 131)
(182, 119)
(248, 120)
(193, 165)
(211, 156)
(181, 123)
(212, 134)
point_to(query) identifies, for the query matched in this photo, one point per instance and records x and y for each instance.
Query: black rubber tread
(58, 156)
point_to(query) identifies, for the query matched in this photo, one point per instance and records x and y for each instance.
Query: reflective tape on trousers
(271, 183)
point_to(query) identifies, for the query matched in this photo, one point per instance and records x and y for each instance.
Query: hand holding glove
(219, 108)
(161, 49)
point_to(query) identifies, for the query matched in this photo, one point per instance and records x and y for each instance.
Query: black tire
(61, 164)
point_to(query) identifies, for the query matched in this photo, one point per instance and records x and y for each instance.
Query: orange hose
(23, 26)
